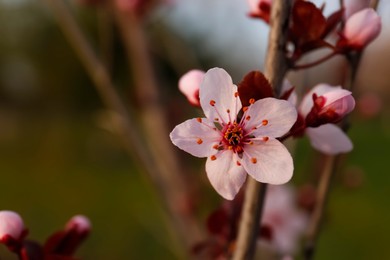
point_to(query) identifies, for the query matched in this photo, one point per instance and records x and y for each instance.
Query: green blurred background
(58, 159)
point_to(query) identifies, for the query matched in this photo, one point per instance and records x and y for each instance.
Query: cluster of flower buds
(283, 223)
(309, 28)
(60, 245)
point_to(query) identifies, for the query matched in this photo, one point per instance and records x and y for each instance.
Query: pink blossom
(360, 29)
(189, 85)
(353, 6)
(79, 223)
(260, 9)
(282, 216)
(11, 225)
(321, 107)
(326, 104)
(235, 146)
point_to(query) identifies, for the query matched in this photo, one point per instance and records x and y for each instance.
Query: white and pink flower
(189, 85)
(236, 145)
(321, 107)
(360, 29)
(281, 215)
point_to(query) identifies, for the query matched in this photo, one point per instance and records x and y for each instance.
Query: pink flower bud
(189, 85)
(327, 105)
(11, 225)
(260, 9)
(354, 6)
(360, 29)
(79, 223)
(66, 241)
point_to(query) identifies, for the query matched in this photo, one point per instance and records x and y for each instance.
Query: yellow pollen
(199, 141)
(215, 146)
(244, 109)
(212, 102)
(251, 142)
(239, 149)
(253, 160)
(265, 122)
(213, 157)
(251, 101)
(199, 120)
(236, 94)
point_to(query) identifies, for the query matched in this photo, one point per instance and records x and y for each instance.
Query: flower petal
(268, 162)
(354, 6)
(196, 136)
(225, 175)
(189, 85)
(331, 94)
(286, 86)
(272, 117)
(307, 101)
(329, 139)
(219, 96)
(362, 28)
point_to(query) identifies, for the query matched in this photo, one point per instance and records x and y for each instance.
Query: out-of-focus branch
(330, 165)
(275, 70)
(106, 35)
(152, 113)
(128, 126)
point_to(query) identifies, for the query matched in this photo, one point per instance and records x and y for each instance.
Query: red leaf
(254, 85)
(332, 21)
(308, 23)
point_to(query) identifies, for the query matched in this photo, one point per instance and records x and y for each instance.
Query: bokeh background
(59, 158)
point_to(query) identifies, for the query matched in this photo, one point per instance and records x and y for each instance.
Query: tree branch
(275, 70)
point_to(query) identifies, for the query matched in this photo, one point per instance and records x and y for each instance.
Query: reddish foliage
(254, 85)
(308, 26)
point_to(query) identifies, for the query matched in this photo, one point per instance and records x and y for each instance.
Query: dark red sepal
(254, 85)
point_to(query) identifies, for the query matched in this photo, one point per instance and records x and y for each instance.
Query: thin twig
(106, 35)
(106, 90)
(314, 63)
(329, 168)
(321, 199)
(275, 70)
(177, 188)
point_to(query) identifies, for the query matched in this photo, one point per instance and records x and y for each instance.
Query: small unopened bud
(189, 85)
(260, 9)
(330, 105)
(354, 6)
(79, 223)
(360, 29)
(11, 225)
(66, 241)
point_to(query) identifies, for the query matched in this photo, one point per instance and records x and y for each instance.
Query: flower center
(233, 137)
